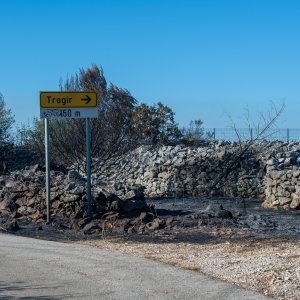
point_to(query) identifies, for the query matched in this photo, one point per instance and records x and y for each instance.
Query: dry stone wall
(268, 170)
(282, 180)
(171, 171)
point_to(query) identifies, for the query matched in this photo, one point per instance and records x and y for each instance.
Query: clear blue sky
(204, 58)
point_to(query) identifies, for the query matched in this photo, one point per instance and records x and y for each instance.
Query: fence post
(288, 135)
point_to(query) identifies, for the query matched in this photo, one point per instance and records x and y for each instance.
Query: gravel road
(38, 269)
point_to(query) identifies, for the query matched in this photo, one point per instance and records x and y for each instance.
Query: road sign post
(88, 165)
(68, 105)
(47, 160)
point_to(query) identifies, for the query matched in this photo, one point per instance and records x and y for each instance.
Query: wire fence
(230, 134)
(244, 134)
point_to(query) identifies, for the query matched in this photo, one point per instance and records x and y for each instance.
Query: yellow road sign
(68, 99)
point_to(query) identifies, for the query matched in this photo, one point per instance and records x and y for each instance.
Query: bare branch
(239, 156)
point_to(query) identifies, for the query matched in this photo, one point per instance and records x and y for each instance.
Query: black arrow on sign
(87, 99)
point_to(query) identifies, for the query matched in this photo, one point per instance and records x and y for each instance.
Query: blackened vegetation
(123, 124)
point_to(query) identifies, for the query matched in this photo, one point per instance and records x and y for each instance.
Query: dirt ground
(258, 249)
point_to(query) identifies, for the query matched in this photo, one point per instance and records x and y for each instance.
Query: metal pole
(88, 165)
(288, 135)
(251, 134)
(47, 169)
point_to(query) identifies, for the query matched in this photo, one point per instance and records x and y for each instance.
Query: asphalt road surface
(37, 269)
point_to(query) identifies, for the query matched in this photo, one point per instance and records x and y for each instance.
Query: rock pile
(116, 208)
(22, 197)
